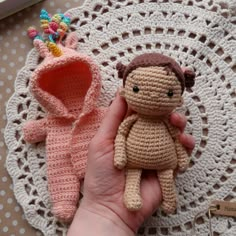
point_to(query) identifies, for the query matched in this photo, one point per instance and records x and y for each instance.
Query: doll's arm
(182, 155)
(120, 141)
(35, 130)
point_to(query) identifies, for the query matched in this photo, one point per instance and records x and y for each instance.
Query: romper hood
(68, 85)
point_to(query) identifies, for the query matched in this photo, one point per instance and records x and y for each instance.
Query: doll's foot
(64, 212)
(168, 207)
(133, 202)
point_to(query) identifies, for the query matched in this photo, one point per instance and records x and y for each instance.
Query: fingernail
(119, 89)
(189, 140)
(175, 115)
(180, 116)
(122, 92)
(117, 92)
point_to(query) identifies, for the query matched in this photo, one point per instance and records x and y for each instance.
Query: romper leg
(63, 185)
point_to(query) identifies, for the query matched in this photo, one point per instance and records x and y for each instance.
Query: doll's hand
(183, 158)
(104, 184)
(120, 159)
(183, 166)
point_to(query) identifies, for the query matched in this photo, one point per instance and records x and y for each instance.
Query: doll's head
(154, 84)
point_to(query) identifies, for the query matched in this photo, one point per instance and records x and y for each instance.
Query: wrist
(98, 220)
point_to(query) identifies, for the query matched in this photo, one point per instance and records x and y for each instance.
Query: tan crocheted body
(146, 140)
(149, 145)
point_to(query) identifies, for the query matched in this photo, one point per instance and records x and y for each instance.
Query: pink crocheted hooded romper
(68, 87)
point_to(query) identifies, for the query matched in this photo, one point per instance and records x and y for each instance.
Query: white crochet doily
(197, 33)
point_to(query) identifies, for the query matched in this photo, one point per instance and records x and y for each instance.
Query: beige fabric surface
(14, 46)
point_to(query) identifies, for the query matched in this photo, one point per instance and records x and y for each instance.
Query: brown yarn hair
(185, 78)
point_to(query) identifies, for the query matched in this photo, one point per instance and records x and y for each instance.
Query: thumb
(112, 119)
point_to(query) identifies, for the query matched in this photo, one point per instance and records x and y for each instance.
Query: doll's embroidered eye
(170, 93)
(135, 89)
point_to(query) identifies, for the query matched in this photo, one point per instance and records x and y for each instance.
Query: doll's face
(153, 91)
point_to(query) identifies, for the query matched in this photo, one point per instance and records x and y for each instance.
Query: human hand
(104, 184)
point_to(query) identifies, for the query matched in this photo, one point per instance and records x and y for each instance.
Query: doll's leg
(166, 179)
(63, 186)
(132, 197)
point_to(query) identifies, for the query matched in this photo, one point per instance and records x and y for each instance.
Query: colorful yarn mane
(55, 27)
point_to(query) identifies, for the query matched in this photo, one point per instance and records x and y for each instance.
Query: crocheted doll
(67, 84)
(153, 87)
